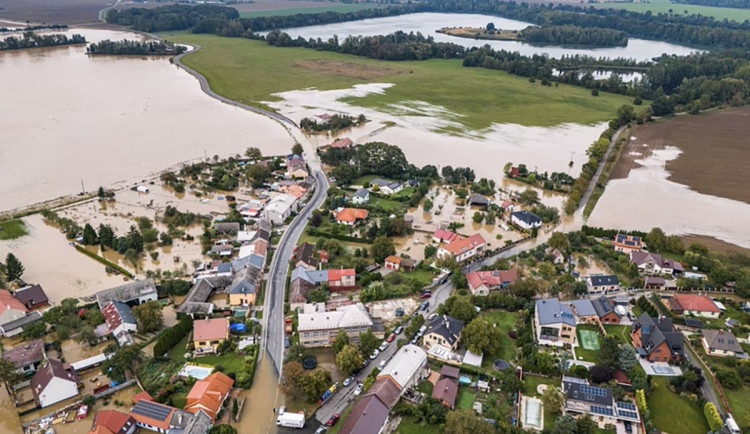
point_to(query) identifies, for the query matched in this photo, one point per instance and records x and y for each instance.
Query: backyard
(621, 332)
(506, 322)
(531, 383)
(664, 405)
(465, 398)
(12, 229)
(588, 340)
(738, 400)
(410, 426)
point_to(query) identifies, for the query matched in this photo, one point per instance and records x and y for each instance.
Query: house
(350, 216)
(393, 262)
(209, 394)
(344, 143)
(296, 167)
(280, 208)
(133, 293)
(369, 416)
(119, 318)
(697, 305)
(656, 340)
(478, 199)
(654, 264)
(597, 402)
(16, 326)
(112, 422)
(407, 367)
(482, 282)
(341, 278)
(10, 308)
(514, 171)
(222, 250)
(444, 331)
(508, 206)
(718, 343)
(242, 293)
(600, 283)
(27, 356)
(627, 243)
(55, 381)
(386, 390)
(584, 311)
(445, 391)
(165, 419)
(654, 282)
(444, 236)
(557, 256)
(319, 329)
(295, 190)
(605, 310)
(525, 219)
(209, 333)
(31, 296)
(361, 196)
(384, 186)
(554, 323)
(227, 227)
(462, 249)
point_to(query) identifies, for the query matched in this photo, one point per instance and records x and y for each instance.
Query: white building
(361, 196)
(318, 328)
(462, 248)
(406, 367)
(280, 208)
(133, 293)
(525, 219)
(119, 318)
(53, 382)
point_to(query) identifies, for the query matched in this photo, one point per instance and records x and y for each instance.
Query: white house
(361, 196)
(280, 208)
(525, 219)
(462, 248)
(406, 367)
(385, 186)
(722, 343)
(653, 264)
(133, 293)
(53, 382)
(554, 323)
(119, 318)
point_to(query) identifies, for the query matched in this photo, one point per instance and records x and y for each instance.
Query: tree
(9, 372)
(89, 235)
(430, 251)
(627, 357)
(314, 383)
(382, 247)
(427, 205)
(656, 240)
(586, 425)
(482, 337)
(13, 268)
(529, 197)
(466, 421)
(625, 114)
(253, 153)
(414, 326)
(258, 172)
(292, 371)
(348, 359)
(600, 374)
(546, 270)
(477, 217)
(565, 424)
(609, 352)
(35, 330)
(559, 241)
(342, 340)
(297, 149)
(458, 279)
(123, 360)
(87, 335)
(148, 316)
(223, 428)
(553, 400)
(461, 308)
(367, 342)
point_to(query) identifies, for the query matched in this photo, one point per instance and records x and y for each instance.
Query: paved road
(708, 391)
(598, 173)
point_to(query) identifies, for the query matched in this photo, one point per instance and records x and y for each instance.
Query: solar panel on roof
(630, 414)
(593, 390)
(149, 409)
(605, 411)
(625, 405)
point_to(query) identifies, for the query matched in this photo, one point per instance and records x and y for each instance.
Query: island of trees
(32, 40)
(558, 35)
(332, 123)
(138, 48)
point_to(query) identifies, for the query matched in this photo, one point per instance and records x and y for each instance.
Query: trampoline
(309, 363)
(500, 365)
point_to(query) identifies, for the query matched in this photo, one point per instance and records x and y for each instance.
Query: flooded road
(69, 119)
(260, 401)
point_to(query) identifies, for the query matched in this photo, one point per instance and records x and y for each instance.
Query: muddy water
(647, 199)
(257, 413)
(67, 118)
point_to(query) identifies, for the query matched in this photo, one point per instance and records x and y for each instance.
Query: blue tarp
(237, 327)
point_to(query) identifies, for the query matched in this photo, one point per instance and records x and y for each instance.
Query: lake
(68, 119)
(428, 23)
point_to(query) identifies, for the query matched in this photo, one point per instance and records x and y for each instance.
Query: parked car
(414, 340)
(332, 421)
(399, 330)
(365, 362)
(391, 337)
(432, 316)
(399, 312)
(348, 381)
(383, 346)
(425, 295)
(358, 390)
(374, 354)
(424, 305)
(321, 429)
(381, 365)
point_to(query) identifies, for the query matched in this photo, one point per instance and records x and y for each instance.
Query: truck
(291, 420)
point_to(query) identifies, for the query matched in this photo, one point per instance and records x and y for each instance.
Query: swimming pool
(195, 371)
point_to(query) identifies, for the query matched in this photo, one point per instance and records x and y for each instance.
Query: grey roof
(367, 417)
(222, 248)
(527, 217)
(447, 327)
(101, 330)
(604, 280)
(200, 423)
(362, 192)
(587, 393)
(127, 292)
(180, 419)
(311, 276)
(602, 305)
(21, 322)
(695, 323)
(306, 253)
(227, 227)
(722, 340)
(641, 257)
(478, 199)
(195, 301)
(385, 183)
(551, 311)
(257, 260)
(582, 307)
(242, 287)
(26, 353)
(224, 267)
(124, 311)
(654, 331)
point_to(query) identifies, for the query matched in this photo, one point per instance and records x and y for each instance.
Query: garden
(671, 412)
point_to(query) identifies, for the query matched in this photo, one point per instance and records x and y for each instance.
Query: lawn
(333, 7)
(465, 398)
(506, 322)
(404, 194)
(738, 400)
(386, 205)
(532, 381)
(664, 6)
(251, 72)
(409, 426)
(582, 353)
(622, 332)
(665, 405)
(12, 229)
(360, 182)
(177, 353)
(425, 387)
(230, 362)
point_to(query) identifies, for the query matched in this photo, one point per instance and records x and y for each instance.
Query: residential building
(393, 262)
(654, 282)
(16, 326)
(304, 255)
(478, 199)
(554, 323)
(525, 219)
(627, 243)
(697, 305)
(462, 249)
(605, 310)
(119, 318)
(602, 284)
(319, 329)
(53, 382)
(384, 186)
(227, 227)
(10, 308)
(407, 366)
(598, 402)
(584, 311)
(163, 418)
(133, 293)
(369, 416)
(209, 394)
(295, 190)
(654, 264)
(338, 279)
(27, 356)
(242, 293)
(656, 340)
(296, 167)
(386, 390)
(444, 331)
(482, 282)
(209, 333)
(444, 236)
(508, 206)
(344, 143)
(350, 216)
(718, 343)
(280, 208)
(361, 196)
(32, 297)
(557, 256)
(445, 391)
(112, 422)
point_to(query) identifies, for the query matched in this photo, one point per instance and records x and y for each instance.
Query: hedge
(316, 233)
(172, 336)
(640, 400)
(712, 416)
(248, 370)
(104, 261)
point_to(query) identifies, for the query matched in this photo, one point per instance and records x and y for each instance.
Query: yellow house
(209, 333)
(242, 293)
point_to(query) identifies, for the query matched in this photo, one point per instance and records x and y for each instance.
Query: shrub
(712, 416)
(172, 336)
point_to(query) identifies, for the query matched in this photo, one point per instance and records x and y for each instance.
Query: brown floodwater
(68, 118)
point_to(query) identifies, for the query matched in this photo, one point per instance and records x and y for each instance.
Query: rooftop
(459, 246)
(604, 280)
(582, 307)
(446, 390)
(407, 361)
(127, 292)
(350, 215)
(367, 417)
(345, 316)
(527, 217)
(26, 353)
(31, 295)
(210, 329)
(386, 390)
(626, 240)
(51, 369)
(696, 302)
(550, 311)
(722, 340)
(447, 327)
(490, 278)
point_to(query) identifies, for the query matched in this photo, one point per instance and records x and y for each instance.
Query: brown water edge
(258, 415)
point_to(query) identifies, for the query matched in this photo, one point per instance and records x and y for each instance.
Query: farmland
(252, 10)
(251, 72)
(667, 7)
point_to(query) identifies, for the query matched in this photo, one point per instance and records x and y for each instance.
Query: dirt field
(345, 69)
(715, 151)
(53, 11)
(269, 5)
(713, 244)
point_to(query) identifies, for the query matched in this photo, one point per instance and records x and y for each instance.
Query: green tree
(106, 236)
(559, 241)
(586, 425)
(565, 424)
(368, 342)
(529, 197)
(314, 383)
(123, 360)
(462, 309)
(89, 235)
(547, 270)
(87, 335)
(9, 372)
(553, 400)
(253, 153)
(482, 337)
(609, 353)
(490, 27)
(427, 205)
(458, 279)
(342, 340)
(258, 172)
(223, 428)
(656, 240)
(414, 325)
(35, 330)
(292, 372)
(626, 357)
(13, 267)
(348, 359)
(297, 149)
(382, 247)
(430, 251)
(466, 421)
(148, 316)
(625, 114)
(477, 217)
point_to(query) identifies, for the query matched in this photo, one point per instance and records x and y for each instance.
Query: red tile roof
(696, 302)
(490, 278)
(210, 329)
(208, 394)
(113, 421)
(463, 245)
(142, 395)
(342, 143)
(393, 259)
(444, 235)
(351, 215)
(336, 274)
(7, 301)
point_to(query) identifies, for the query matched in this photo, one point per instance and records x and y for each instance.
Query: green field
(230, 362)
(12, 229)
(738, 400)
(664, 6)
(334, 7)
(588, 341)
(409, 426)
(251, 71)
(621, 332)
(177, 353)
(672, 413)
(465, 399)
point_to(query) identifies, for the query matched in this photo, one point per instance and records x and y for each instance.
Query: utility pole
(83, 189)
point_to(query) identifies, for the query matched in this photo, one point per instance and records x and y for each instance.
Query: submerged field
(251, 72)
(667, 7)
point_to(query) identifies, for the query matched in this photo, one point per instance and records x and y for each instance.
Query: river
(68, 119)
(428, 23)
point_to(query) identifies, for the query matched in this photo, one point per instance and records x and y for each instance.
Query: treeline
(32, 40)
(126, 47)
(334, 123)
(173, 17)
(574, 35)
(33, 28)
(738, 4)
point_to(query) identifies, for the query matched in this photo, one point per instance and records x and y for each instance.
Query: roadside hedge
(712, 416)
(172, 336)
(246, 377)
(317, 233)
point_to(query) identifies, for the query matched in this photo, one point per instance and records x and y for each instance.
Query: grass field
(251, 71)
(622, 332)
(505, 321)
(409, 426)
(177, 353)
(465, 398)
(665, 405)
(738, 400)
(230, 362)
(333, 7)
(12, 229)
(532, 382)
(664, 6)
